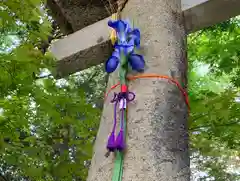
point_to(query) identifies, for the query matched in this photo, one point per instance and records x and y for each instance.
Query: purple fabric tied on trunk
(111, 142)
(119, 143)
(129, 96)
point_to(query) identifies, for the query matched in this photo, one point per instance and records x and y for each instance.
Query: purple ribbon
(119, 143)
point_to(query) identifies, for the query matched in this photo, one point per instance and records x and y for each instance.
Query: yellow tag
(113, 35)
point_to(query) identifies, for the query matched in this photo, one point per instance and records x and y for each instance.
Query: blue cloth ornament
(127, 40)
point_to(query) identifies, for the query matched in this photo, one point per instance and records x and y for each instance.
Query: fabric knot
(128, 96)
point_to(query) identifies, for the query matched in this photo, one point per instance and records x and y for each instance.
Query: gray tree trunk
(157, 141)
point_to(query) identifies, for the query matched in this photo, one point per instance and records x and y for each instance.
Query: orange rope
(111, 88)
(154, 76)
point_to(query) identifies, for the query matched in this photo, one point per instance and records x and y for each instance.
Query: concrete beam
(200, 14)
(56, 12)
(91, 45)
(188, 4)
(72, 15)
(82, 49)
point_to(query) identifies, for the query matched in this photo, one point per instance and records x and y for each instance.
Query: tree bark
(157, 141)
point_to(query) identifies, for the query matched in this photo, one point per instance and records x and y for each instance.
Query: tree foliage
(215, 111)
(48, 126)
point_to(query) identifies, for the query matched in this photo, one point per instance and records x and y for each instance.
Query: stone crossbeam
(91, 45)
(200, 14)
(72, 16)
(82, 49)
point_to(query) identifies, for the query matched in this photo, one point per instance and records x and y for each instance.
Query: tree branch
(45, 44)
(2, 178)
(220, 125)
(198, 117)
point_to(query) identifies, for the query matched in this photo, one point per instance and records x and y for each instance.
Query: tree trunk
(157, 140)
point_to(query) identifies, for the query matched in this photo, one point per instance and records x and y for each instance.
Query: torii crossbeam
(91, 45)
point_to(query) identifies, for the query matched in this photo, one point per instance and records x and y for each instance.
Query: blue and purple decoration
(127, 40)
